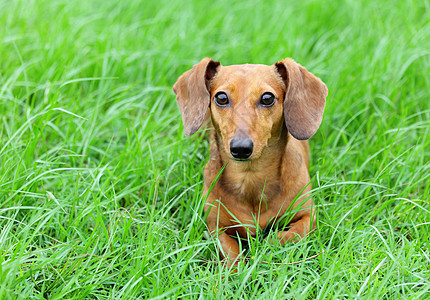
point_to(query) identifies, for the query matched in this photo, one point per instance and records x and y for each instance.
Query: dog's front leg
(218, 221)
(297, 231)
(229, 249)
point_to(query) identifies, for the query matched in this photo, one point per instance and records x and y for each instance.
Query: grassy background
(100, 192)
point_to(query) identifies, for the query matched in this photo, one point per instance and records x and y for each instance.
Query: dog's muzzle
(241, 148)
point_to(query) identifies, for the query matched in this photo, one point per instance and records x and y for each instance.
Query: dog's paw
(283, 237)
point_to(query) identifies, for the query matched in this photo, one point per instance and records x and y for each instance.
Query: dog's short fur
(260, 143)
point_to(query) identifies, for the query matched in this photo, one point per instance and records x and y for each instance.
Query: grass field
(101, 193)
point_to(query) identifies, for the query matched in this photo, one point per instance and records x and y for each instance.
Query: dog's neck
(258, 179)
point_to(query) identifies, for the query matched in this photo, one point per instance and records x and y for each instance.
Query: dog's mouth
(241, 160)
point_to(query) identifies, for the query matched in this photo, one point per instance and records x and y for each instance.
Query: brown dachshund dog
(259, 157)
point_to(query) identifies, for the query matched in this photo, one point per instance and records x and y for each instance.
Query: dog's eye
(221, 99)
(267, 99)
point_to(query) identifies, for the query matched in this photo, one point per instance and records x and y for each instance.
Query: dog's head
(251, 103)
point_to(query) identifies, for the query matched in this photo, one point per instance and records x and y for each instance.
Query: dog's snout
(241, 148)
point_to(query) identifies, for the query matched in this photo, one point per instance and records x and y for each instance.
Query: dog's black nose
(241, 148)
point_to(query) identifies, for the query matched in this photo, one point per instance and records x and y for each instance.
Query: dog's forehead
(247, 76)
(248, 71)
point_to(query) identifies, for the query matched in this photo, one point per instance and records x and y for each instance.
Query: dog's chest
(255, 189)
(251, 202)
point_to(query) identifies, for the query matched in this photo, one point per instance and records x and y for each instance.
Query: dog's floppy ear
(304, 99)
(193, 95)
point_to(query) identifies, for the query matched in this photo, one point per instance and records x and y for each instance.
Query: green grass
(101, 193)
